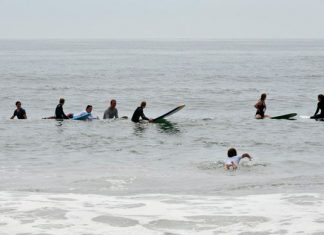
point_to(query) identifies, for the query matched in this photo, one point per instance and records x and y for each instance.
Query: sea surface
(117, 177)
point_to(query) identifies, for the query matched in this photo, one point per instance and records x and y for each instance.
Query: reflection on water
(165, 126)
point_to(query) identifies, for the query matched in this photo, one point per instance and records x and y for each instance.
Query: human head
(263, 96)
(18, 104)
(113, 103)
(143, 104)
(231, 152)
(89, 108)
(62, 101)
(320, 97)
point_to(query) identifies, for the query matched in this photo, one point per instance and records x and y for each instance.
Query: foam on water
(44, 213)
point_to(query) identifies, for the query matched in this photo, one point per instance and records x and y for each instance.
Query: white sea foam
(45, 213)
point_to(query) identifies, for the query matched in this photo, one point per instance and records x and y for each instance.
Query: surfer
(139, 113)
(112, 111)
(261, 107)
(320, 106)
(20, 113)
(59, 113)
(87, 113)
(233, 160)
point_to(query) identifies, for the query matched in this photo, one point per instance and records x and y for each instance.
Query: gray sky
(164, 19)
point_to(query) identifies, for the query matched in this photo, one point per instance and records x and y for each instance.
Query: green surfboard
(286, 116)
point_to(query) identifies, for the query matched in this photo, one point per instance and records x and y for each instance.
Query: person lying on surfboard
(261, 107)
(320, 106)
(232, 162)
(139, 113)
(87, 113)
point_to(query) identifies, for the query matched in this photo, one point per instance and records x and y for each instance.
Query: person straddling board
(86, 113)
(320, 106)
(139, 113)
(20, 113)
(232, 162)
(261, 107)
(59, 113)
(112, 111)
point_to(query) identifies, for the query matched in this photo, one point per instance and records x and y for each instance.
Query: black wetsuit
(59, 113)
(21, 113)
(320, 106)
(261, 110)
(137, 114)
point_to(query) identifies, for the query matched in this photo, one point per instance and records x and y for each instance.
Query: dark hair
(88, 106)
(18, 102)
(321, 97)
(62, 100)
(231, 152)
(143, 103)
(263, 96)
(113, 100)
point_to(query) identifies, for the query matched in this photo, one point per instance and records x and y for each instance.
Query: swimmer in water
(232, 162)
(320, 106)
(261, 107)
(20, 113)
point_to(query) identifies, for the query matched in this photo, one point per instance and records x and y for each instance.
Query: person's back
(233, 160)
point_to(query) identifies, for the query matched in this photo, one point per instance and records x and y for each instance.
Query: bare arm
(246, 155)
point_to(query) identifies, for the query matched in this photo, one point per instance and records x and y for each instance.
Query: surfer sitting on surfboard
(261, 107)
(320, 106)
(233, 160)
(59, 113)
(139, 113)
(112, 111)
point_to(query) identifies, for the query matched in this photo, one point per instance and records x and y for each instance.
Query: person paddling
(139, 113)
(20, 113)
(320, 106)
(261, 107)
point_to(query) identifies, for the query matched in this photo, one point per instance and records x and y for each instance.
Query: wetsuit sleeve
(317, 110)
(116, 116)
(143, 116)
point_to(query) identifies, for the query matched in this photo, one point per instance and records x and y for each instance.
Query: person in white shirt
(233, 160)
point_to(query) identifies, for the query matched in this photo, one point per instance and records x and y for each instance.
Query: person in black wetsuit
(320, 106)
(139, 113)
(20, 113)
(59, 113)
(261, 107)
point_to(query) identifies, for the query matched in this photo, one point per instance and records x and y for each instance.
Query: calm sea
(117, 177)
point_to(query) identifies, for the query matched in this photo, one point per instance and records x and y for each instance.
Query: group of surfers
(112, 112)
(261, 108)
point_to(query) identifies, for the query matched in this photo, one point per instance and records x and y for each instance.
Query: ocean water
(117, 177)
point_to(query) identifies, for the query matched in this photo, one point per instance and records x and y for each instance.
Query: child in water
(233, 160)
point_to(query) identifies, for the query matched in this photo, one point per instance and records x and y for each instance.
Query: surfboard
(81, 117)
(173, 111)
(286, 116)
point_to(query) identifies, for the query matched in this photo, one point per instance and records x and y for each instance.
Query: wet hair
(62, 100)
(113, 100)
(18, 102)
(321, 97)
(231, 152)
(263, 96)
(88, 106)
(143, 104)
